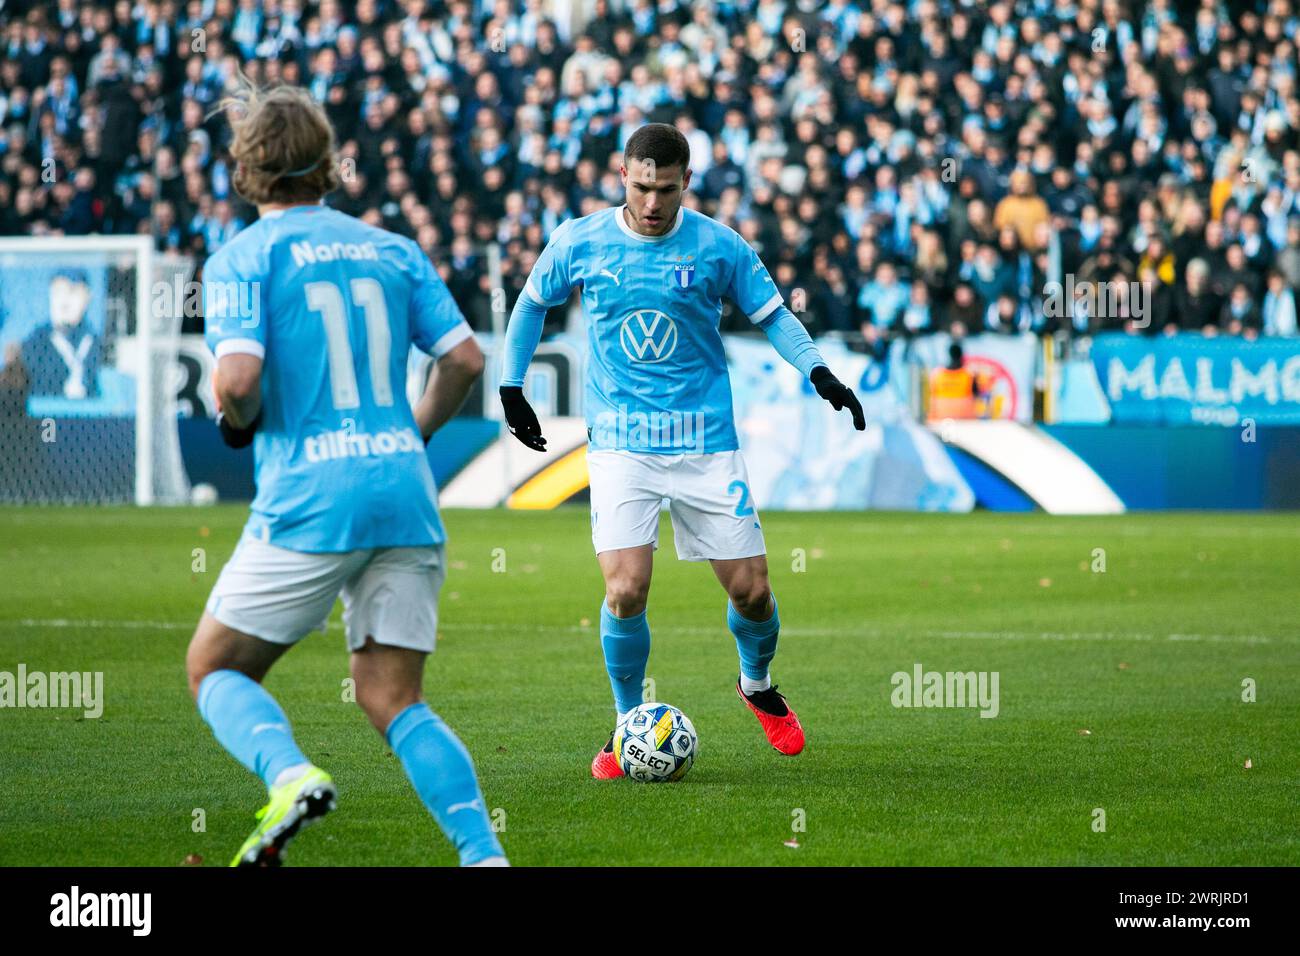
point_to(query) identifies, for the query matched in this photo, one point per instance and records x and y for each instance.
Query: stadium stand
(902, 167)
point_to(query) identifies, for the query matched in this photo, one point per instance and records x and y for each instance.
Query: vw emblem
(648, 336)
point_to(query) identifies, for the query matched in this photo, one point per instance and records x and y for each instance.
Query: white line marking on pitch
(34, 623)
(107, 625)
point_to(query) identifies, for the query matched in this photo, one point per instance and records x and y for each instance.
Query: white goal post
(89, 329)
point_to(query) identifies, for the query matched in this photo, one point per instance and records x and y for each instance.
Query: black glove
(838, 394)
(238, 437)
(520, 418)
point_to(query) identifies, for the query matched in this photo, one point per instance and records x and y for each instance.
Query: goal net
(89, 328)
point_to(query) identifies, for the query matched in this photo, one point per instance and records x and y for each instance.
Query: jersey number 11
(326, 298)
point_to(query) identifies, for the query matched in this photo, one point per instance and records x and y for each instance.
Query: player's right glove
(237, 437)
(838, 394)
(521, 419)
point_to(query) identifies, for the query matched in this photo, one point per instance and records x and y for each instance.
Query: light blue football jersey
(332, 306)
(657, 378)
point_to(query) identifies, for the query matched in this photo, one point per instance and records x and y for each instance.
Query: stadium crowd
(1047, 165)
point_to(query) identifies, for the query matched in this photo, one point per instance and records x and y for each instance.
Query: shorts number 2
(743, 508)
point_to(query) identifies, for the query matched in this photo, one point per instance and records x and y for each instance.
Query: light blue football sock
(626, 643)
(755, 641)
(248, 722)
(442, 773)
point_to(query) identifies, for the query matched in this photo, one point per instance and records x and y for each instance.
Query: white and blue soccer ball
(655, 744)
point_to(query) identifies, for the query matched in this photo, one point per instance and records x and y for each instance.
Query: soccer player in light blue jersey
(311, 315)
(653, 276)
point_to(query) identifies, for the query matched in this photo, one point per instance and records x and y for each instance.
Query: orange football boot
(779, 721)
(605, 766)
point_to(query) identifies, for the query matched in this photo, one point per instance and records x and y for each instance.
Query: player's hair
(662, 144)
(283, 144)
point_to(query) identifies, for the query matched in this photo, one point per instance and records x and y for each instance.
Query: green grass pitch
(1119, 691)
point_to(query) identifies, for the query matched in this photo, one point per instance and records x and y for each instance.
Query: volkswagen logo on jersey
(648, 336)
(683, 274)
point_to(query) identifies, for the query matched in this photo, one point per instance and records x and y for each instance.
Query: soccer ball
(655, 744)
(203, 494)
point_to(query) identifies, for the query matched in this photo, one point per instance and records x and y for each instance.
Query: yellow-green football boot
(294, 804)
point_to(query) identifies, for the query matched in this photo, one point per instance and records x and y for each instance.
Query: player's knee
(195, 671)
(199, 663)
(626, 595)
(382, 704)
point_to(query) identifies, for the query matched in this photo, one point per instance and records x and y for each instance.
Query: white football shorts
(390, 594)
(713, 512)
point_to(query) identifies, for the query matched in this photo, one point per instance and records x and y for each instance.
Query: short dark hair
(662, 144)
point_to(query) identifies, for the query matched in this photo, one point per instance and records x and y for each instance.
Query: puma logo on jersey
(467, 805)
(613, 275)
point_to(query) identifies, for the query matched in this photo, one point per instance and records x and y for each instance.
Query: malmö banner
(1191, 379)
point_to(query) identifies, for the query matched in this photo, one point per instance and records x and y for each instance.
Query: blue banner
(1191, 379)
(802, 455)
(56, 318)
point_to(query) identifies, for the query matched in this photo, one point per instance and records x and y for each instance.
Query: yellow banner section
(554, 484)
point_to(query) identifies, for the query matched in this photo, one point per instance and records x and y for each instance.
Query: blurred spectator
(1022, 210)
(882, 300)
(1279, 311)
(1197, 306)
(1240, 316)
(1158, 301)
(917, 315)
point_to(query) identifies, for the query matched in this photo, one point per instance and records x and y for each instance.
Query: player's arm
(453, 375)
(753, 291)
(238, 341)
(548, 285)
(793, 343)
(237, 385)
(439, 329)
(522, 335)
